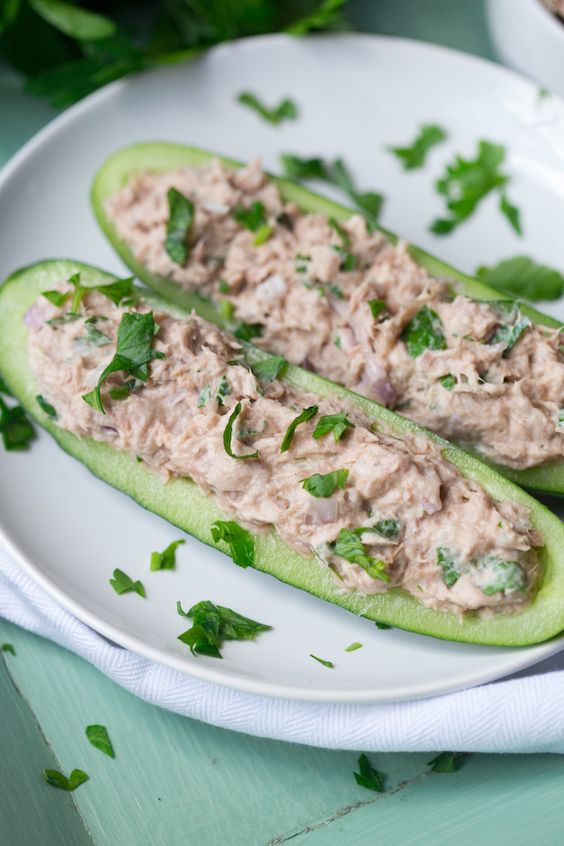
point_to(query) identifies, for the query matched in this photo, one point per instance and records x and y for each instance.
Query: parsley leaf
(511, 212)
(448, 381)
(285, 110)
(377, 307)
(240, 542)
(448, 564)
(133, 352)
(8, 647)
(270, 369)
(323, 661)
(228, 434)
(17, 431)
(305, 415)
(414, 156)
(352, 647)
(382, 626)
(214, 624)
(512, 324)
(116, 291)
(99, 738)
(424, 332)
(122, 583)
(504, 575)
(521, 276)
(46, 407)
(350, 547)
(336, 423)
(324, 485)
(179, 225)
(445, 762)
(348, 260)
(248, 331)
(165, 560)
(57, 779)
(388, 528)
(369, 777)
(93, 338)
(252, 218)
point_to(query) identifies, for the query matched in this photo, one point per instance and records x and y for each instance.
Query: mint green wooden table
(176, 781)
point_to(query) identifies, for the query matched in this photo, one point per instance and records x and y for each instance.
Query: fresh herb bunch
(67, 49)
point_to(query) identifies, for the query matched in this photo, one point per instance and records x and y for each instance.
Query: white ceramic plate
(356, 94)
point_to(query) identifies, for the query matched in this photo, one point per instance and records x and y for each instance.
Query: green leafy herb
(336, 291)
(388, 528)
(240, 542)
(305, 415)
(414, 156)
(449, 566)
(341, 232)
(369, 777)
(263, 234)
(352, 647)
(4, 388)
(69, 317)
(223, 390)
(285, 110)
(323, 485)
(382, 626)
(521, 276)
(223, 287)
(46, 407)
(424, 332)
(445, 762)
(505, 575)
(117, 291)
(448, 381)
(377, 307)
(270, 368)
(73, 21)
(214, 624)
(122, 583)
(179, 225)
(467, 181)
(228, 435)
(513, 324)
(511, 212)
(252, 218)
(8, 647)
(17, 431)
(322, 661)
(348, 260)
(248, 331)
(336, 423)
(350, 547)
(166, 560)
(226, 310)
(204, 396)
(57, 779)
(133, 353)
(56, 297)
(123, 391)
(99, 738)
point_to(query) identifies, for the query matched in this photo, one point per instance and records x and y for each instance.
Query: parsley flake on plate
(377, 307)
(352, 647)
(368, 777)
(214, 624)
(415, 155)
(240, 541)
(323, 485)
(322, 661)
(46, 407)
(122, 583)
(165, 560)
(57, 779)
(285, 110)
(99, 738)
(248, 331)
(179, 225)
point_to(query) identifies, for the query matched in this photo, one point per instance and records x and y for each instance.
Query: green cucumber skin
(122, 165)
(181, 503)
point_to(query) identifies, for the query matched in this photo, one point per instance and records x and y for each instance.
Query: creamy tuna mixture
(400, 516)
(343, 301)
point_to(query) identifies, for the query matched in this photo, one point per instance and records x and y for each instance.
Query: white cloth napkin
(523, 714)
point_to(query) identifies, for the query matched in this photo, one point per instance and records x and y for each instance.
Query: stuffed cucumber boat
(289, 473)
(307, 279)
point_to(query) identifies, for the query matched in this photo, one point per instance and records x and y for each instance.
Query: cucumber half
(183, 504)
(118, 169)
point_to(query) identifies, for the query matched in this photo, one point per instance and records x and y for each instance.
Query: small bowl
(529, 38)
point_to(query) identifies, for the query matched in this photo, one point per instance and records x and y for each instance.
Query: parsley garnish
(521, 276)
(424, 332)
(57, 779)
(348, 260)
(99, 738)
(93, 338)
(123, 391)
(179, 225)
(228, 434)
(133, 353)
(252, 218)
(448, 565)
(467, 181)
(350, 547)
(305, 415)
(8, 647)
(223, 286)
(214, 624)
(382, 626)
(336, 423)
(285, 110)
(377, 307)
(270, 369)
(323, 661)
(448, 381)
(352, 647)
(117, 291)
(204, 396)
(369, 777)
(122, 583)
(248, 331)
(323, 485)
(506, 575)
(341, 232)
(240, 542)
(388, 528)
(223, 390)
(46, 407)
(511, 328)
(445, 762)
(165, 560)
(414, 156)
(17, 431)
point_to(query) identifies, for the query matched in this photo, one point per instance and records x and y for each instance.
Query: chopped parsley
(123, 391)
(348, 260)
(335, 423)
(505, 575)
(341, 232)
(424, 332)
(448, 381)
(388, 528)
(223, 286)
(368, 777)
(46, 407)
(214, 624)
(93, 338)
(352, 647)
(513, 324)
(17, 431)
(122, 583)
(467, 181)
(511, 212)
(350, 547)
(522, 276)
(377, 307)
(118, 291)
(240, 541)
(133, 353)
(248, 331)
(252, 218)
(449, 566)
(325, 663)
(445, 762)
(414, 155)
(204, 396)
(305, 415)
(324, 485)
(285, 110)
(69, 317)
(270, 368)
(262, 235)
(8, 647)
(228, 435)
(179, 225)
(223, 390)
(57, 779)
(165, 560)
(99, 738)
(382, 626)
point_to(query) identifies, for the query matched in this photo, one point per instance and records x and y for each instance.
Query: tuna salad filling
(339, 299)
(380, 510)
